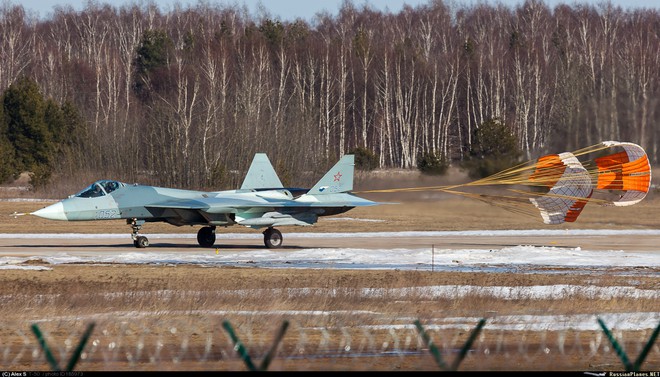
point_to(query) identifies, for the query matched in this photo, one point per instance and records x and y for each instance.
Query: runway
(577, 251)
(626, 240)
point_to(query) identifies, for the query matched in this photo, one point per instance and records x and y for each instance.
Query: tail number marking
(108, 214)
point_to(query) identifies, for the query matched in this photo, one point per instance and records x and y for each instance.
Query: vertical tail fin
(261, 174)
(338, 179)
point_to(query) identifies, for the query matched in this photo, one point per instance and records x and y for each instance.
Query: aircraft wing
(230, 205)
(217, 205)
(255, 211)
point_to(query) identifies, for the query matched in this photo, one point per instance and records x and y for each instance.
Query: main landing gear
(272, 238)
(206, 236)
(138, 240)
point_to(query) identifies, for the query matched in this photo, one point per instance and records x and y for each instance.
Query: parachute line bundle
(560, 185)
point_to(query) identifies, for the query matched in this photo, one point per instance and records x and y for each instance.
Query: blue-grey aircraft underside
(261, 202)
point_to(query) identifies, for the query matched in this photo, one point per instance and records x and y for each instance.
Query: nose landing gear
(139, 241)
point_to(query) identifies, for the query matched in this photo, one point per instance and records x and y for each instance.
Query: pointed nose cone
(52, 212)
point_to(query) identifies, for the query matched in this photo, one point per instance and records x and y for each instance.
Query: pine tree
(7, 164)
(70, 136)
(24, 109)
(150, 62)
(494, 148)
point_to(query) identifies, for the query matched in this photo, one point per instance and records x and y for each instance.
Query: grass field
(151, 297)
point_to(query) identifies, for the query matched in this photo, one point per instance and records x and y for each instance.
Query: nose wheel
(139, 241)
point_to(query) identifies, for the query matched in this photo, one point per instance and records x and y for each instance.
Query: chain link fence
(315, 341)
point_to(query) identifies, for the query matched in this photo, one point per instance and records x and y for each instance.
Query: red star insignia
(337, 176)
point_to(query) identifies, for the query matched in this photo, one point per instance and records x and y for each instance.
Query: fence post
(432, 348)
(461, 355)
(239, 346)
(42, 343)
(647, 348)
(468, 344)
(630, 367)
(242, 351)
(81, 345)
(76, 353)
(278, 338)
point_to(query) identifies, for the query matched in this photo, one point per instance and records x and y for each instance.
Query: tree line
(186, 97)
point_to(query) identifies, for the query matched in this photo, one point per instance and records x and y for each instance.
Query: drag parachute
(569, 185)
(627, 173)
(559, 186)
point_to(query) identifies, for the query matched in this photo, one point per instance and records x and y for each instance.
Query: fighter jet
(261, 202)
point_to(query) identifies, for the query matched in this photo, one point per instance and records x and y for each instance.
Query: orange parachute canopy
(569, 187)
(627, 172)
(561, 185)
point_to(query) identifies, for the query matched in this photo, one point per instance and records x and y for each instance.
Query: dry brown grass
(87, 290)
(137, 304)
(185, 294)
(421, 211)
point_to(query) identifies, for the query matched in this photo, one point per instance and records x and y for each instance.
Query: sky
(289, 10)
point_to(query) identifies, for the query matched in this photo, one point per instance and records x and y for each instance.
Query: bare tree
(16, 43)
(423, 79)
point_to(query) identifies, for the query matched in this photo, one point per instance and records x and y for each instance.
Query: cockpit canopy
(100, 188)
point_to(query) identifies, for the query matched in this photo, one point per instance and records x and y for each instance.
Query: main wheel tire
(206, 236)
(141, 242)
(272, 238)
